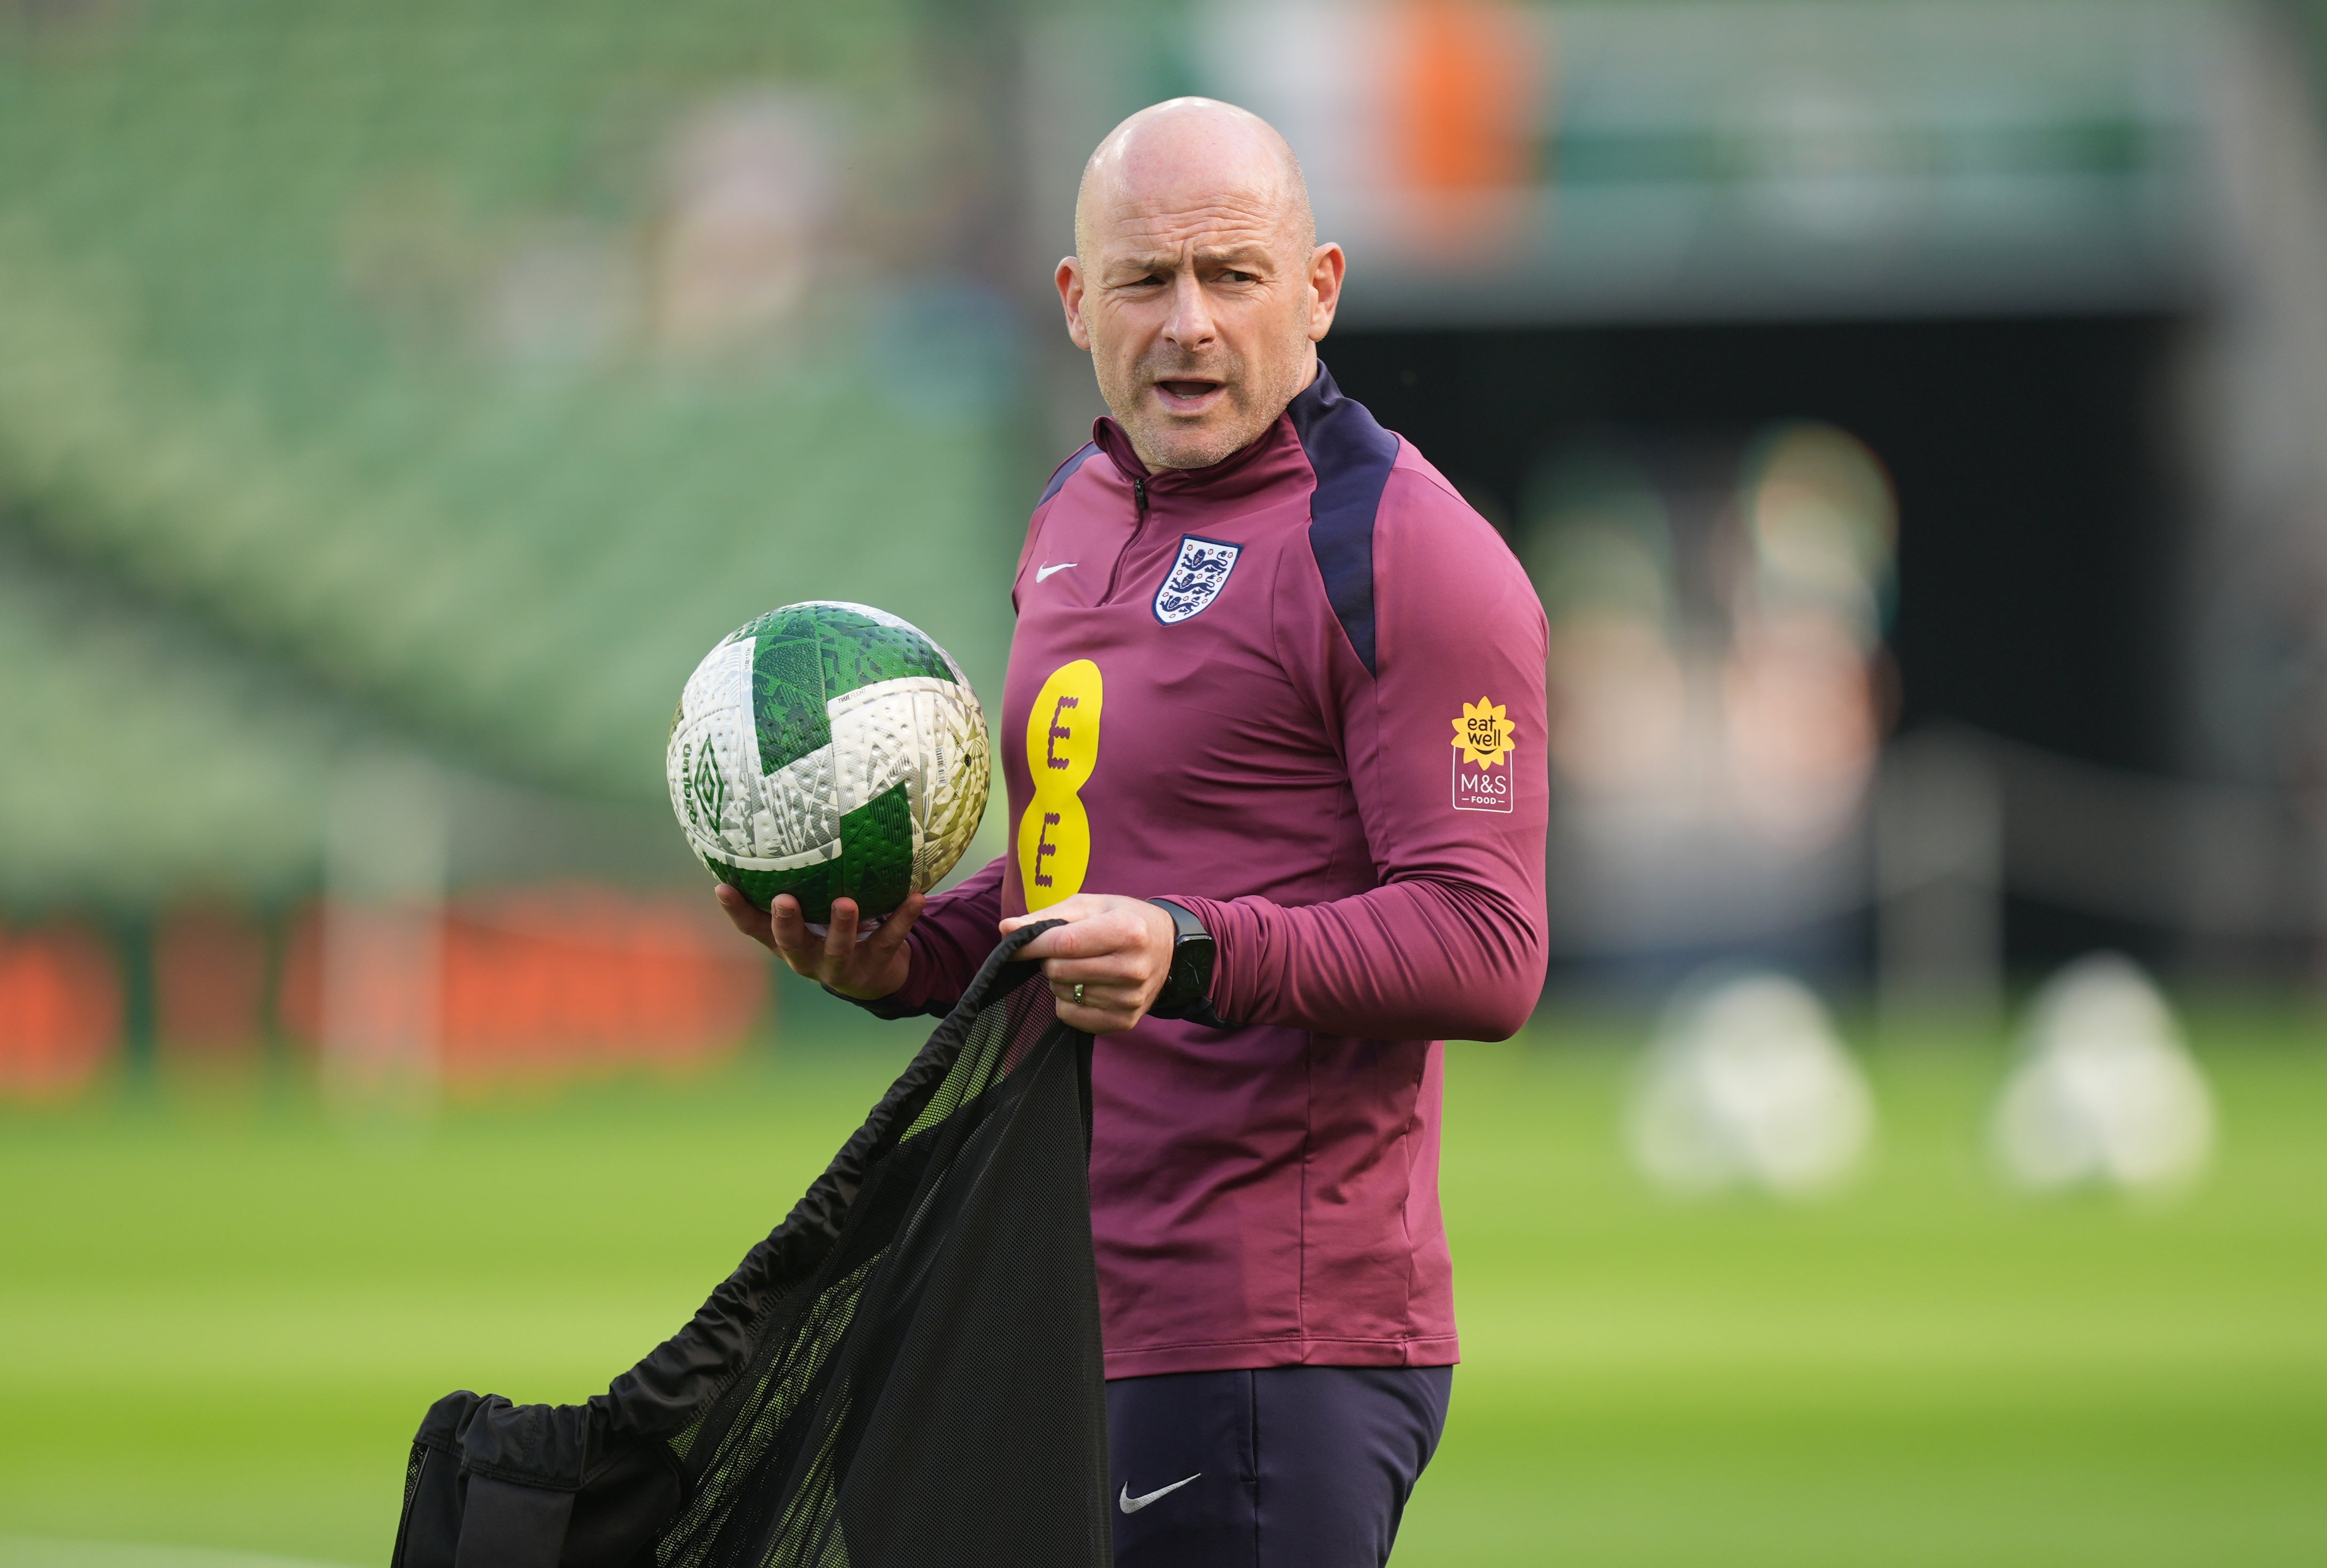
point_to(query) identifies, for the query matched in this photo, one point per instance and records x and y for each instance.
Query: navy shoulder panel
(1353, 455)
(1065, 471)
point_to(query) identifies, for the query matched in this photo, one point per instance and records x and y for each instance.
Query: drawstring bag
(905, 1372)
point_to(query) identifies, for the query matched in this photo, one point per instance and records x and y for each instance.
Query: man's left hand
(1118, 950)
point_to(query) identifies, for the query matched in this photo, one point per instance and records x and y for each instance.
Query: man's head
(1197, 284)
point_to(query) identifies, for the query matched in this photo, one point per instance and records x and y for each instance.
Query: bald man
(1272, 734)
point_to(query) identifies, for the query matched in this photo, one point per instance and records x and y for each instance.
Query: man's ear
(1070, 279)
(1326, 265)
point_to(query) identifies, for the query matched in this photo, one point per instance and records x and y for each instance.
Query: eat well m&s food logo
(1484, 739)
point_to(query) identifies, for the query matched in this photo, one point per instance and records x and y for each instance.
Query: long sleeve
(1444, 746)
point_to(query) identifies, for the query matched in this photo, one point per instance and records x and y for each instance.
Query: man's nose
(1190, 324)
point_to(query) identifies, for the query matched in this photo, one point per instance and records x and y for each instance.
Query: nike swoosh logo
(1131, 1505)
(1042, 574)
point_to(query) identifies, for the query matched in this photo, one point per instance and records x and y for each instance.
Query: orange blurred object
(572, 982)
(61, 1010)
(1468, 75)
(209, 983)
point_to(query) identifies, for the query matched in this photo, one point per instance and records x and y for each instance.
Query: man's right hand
(867, 970)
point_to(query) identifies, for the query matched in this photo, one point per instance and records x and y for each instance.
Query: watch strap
(1187, 989)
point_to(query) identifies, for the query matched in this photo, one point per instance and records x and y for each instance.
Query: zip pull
(1139, 491)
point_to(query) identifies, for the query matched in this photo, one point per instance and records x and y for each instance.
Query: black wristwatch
(1188, 989)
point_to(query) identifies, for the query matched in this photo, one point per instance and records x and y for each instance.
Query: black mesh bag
(906, 1371)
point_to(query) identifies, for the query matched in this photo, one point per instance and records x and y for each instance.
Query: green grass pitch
(219, 1326)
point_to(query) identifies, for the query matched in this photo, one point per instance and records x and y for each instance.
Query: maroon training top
(1300, 692)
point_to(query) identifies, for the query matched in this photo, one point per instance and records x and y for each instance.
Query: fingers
(1099, 993)
(1103, 1010)
(1106, 936)
(788, 927)
(1082, 907)
(1089, 928)
(882, 945)
(1111, 946)
(1116, 991)
(1116, 967)
(836, 958)
(1107, 952)
(840, 937)
(791, 937)
(744, 915)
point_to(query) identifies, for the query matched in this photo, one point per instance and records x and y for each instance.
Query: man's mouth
(1187, 396)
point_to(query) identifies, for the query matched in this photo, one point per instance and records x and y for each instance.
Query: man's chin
(1175, 444)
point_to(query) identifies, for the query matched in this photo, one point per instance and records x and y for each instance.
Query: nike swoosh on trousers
(1131, 1505)
(1042, 574)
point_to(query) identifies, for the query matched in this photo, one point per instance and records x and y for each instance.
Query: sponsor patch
(1484, 739)
(1195, 579)
(1055, 835)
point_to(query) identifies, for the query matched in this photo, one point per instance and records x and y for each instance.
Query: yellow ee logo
(1062, 750)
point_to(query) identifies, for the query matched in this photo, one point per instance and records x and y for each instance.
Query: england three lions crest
(1195, 579)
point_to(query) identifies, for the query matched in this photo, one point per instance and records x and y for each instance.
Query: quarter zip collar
(1242, 471)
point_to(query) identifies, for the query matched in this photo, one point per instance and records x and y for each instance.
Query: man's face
(1201, 312)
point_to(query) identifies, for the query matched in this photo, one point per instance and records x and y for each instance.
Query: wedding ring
(1079, 994)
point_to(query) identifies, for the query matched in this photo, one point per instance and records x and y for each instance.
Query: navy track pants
(1285, 1467)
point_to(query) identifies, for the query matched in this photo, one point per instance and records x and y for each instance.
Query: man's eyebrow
(1211, 256)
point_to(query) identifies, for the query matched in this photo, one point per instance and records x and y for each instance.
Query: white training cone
(2106, 1094)
(1747, 1085)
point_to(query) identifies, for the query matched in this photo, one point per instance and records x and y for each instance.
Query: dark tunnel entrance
(2039, 501)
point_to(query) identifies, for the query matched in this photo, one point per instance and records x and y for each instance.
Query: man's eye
(1235, 276)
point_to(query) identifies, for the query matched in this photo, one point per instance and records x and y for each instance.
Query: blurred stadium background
(1913, 413)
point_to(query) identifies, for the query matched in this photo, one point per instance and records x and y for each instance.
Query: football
(828, 750)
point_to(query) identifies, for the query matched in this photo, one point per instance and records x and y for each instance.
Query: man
(1273, 734)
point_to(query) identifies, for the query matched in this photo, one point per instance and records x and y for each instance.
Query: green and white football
(828, 750)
